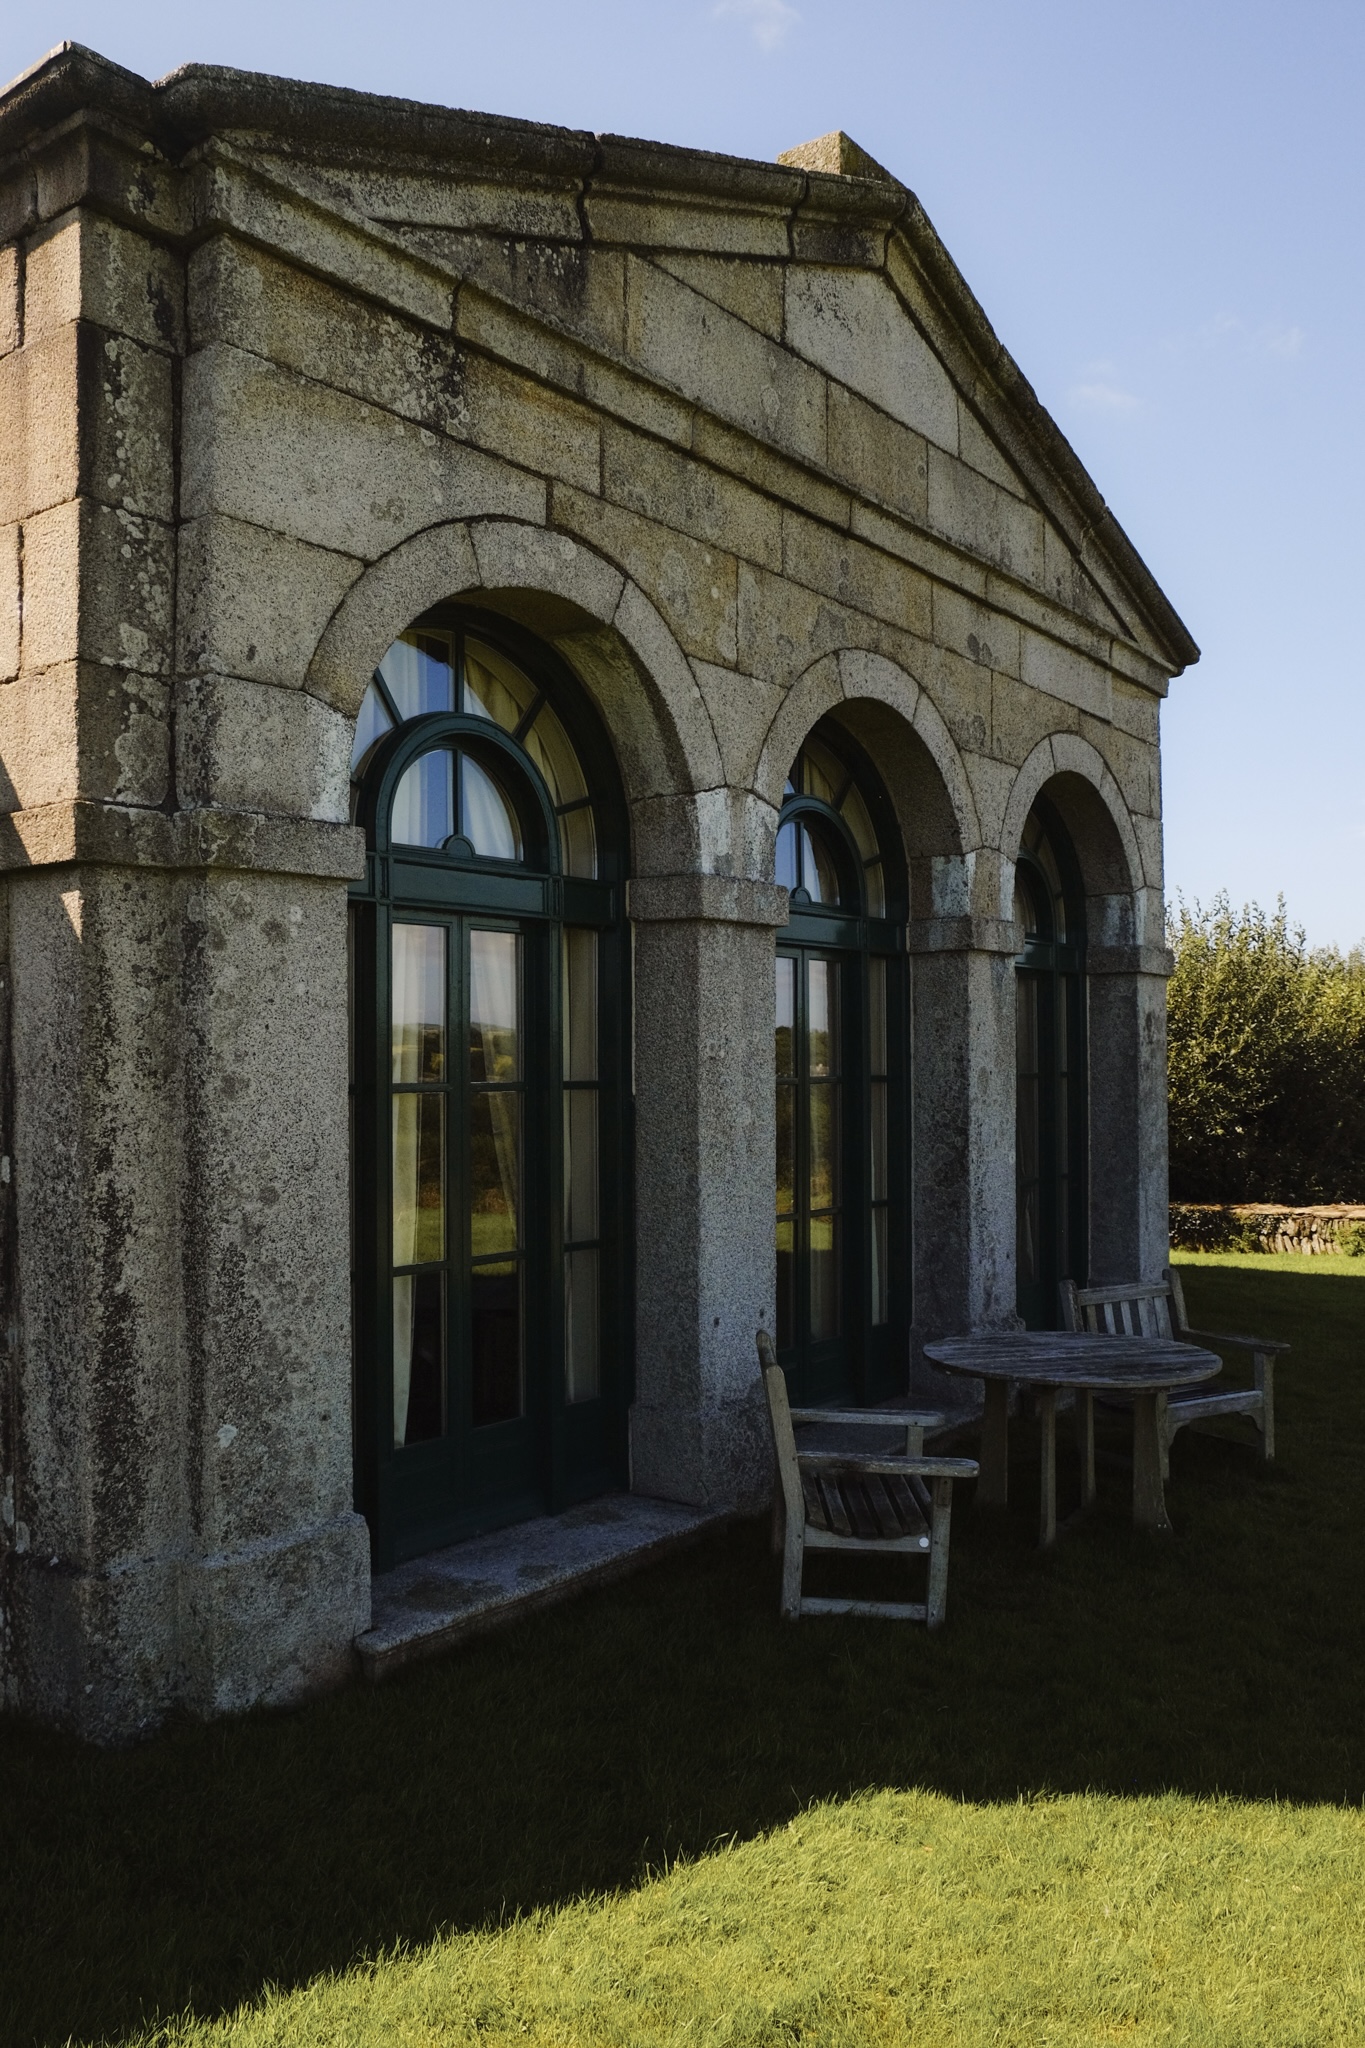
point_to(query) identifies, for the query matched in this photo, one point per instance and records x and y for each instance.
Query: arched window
(488, 1138)
(1050, 1100)
(843, 1305)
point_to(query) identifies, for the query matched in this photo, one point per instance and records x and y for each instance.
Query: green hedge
(1266, 1055)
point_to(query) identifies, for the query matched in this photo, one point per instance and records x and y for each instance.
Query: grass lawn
(1118, 1799)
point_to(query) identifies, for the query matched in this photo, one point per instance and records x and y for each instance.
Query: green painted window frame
(1052, 973)
(419, 1499)
(867, 1361)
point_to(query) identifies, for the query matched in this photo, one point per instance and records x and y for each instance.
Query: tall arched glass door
(488, 1111)
(1050, 1082)
(840, 1020)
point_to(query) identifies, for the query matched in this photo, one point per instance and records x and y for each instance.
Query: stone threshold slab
(426, 1606)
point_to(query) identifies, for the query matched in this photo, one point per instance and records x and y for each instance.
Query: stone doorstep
(425, 1606)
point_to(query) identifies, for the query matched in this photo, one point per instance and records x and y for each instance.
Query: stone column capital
(705, 899)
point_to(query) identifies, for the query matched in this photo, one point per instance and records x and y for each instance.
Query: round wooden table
(1145, 1367)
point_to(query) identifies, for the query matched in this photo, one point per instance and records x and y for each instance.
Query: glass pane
(424, 801)
(418, 674)
(876, 1016)
(494, 687)
(1026, 1252)
(418, 1358)
(881, 1287)
(786, 1013)
(494, 1171)
(418, 1179)
(548, 745)
(580, 1006)
(578, 842)
(855, 816)
(580, 1164)
(879, 1188)
(874, 881)
(495, 1342)
(786, 1149)
(824, 1144)
(824, 1278)
(788, 875)
(582, 1346)
(1026, 1023)
(487, 819)
(822, 774)
(1027, 1132)
(419, 1002)
(372, 724)
(819, 874)
(494, 1006)
(786, 1284)
(822, 1017)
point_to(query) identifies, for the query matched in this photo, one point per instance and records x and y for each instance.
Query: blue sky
(1160, 207)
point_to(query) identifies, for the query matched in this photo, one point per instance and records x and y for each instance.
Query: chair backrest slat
(1125, 1310)
(784, 1437)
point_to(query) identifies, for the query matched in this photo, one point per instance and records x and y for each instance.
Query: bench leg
(936, 1600)
(992, 1487)
(1047, 1499)
(1263, 1367)
(793, 1557)
(1164, 1433)
(1085, 1443)
(1149, 1495)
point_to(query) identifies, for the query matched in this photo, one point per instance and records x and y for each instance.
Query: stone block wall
(279, 369)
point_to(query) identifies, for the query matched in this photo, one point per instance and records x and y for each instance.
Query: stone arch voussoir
(605, 627)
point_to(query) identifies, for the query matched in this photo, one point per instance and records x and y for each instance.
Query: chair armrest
(872, 1418)
(1239, 1343)
(891, 1468)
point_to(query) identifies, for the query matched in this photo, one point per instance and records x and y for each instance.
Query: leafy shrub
(1351, 1240)
(1266, 1057)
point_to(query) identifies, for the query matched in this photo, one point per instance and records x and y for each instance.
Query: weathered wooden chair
(839, 1500)
(1158, 1310)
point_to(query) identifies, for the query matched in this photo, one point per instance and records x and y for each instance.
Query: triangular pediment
(807, 304)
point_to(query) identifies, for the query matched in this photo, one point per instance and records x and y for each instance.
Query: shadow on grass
(605, 1739)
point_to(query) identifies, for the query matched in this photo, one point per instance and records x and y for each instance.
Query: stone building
(561, 700)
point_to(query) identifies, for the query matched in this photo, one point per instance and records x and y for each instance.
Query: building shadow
(597, 1743)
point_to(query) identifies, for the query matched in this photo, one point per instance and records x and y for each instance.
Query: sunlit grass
(1118, 1799)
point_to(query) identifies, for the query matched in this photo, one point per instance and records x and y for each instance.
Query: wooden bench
(839, 1500)
(1157, 1309)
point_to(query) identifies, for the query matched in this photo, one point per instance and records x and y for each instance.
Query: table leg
(1149, 1495)
(1047, 1430)
(992, 1487)
(1085, 1443)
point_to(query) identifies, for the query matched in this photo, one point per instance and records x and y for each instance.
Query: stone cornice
(111, 835)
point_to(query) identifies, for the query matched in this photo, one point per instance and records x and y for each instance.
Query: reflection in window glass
(373, 722)
(578, 841)
(424, 801)
(548, 745)
(495, 687)
(494, 1021)
(418, 1357)
(494, 1171)
(788, 857)
(582, 1169)
(822, 774)
(419, 1002)
(487, 819)
(418, 673)
(582, 1337)
(418, 1179)
(497, 1390)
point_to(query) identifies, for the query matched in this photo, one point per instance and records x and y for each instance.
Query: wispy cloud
(769, 20)
(1101, 389)
(1247, 337)
(1101, 397)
